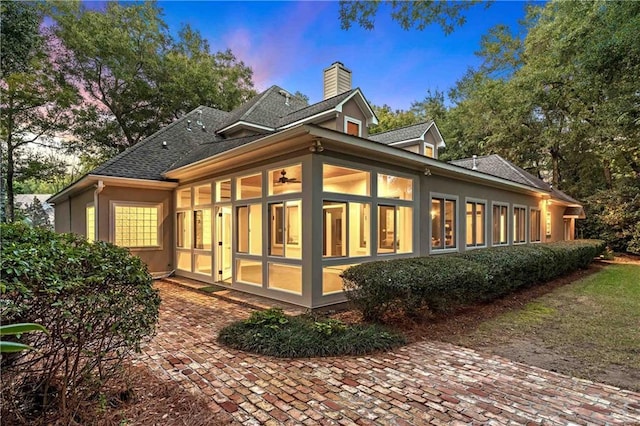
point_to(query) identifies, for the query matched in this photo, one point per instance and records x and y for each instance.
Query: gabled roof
(407, 133)
(317, 108)
(148, 159)
(265, 109)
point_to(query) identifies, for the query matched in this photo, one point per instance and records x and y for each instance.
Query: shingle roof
(495, 165)
(406, 133)
(314, 109)
(265, 108)
(212, 148)
(148, 159)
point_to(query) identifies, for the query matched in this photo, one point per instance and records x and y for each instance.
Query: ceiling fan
(284, 179)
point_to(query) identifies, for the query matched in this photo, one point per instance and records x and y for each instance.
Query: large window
(249, 234)
(285, 180)
(184, 198)
(183, 239)
(395, 187)
(519, 225)
(285, 229)
(249, 187)
(500, 220)
(345, 181)
(335, 229)
(443, 223)
(90, 217)
(395, 229)
(223, 190)
(536, 225)
(202, 229)
(475, 223)
(203, 195)
(136, 225)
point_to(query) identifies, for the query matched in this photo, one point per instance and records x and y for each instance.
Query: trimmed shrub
(273, 333)
(444, 282)
(96, 300)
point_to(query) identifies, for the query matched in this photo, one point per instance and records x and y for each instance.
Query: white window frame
(445, 197)
(532, 209)
(112, 222)
(484, 225)
(500, 204)
(348, 119)
(526, 224)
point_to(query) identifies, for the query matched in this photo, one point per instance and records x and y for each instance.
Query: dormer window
(429, 150)
(352, 126)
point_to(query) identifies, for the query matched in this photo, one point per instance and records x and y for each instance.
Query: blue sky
(290, 43)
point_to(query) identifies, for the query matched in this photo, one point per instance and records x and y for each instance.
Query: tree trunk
(555, 162)
(607, 174)
(10, 195)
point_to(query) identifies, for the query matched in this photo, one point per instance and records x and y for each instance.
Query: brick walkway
(424, 383)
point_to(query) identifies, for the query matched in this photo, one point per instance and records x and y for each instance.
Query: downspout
(99, 188)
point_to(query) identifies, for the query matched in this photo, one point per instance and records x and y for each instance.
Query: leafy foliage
(442, 283)
(97, 302)
(273, 333)
(408, 14)
(136, 76)
(17, 330)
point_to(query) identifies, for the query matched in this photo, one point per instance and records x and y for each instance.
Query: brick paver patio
(423, 383)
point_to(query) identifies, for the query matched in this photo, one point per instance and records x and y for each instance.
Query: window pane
(203, 263)
(202, 229)
(436, 223)
(276, 229)
(293, 229)
(183, 235)
(184, 260)
(535, 225)
(184, 198)
(223, 190)
(242, 218)
(285, 277)
(353, 128)
(404, 232)
(386, 229)
(359, 229)
(249, 187)
(395, 187)
(136, 226)
(331, 281)
(500, 225)
(203, 195)
(480, 224)
(285, 183)
(428, 151)
(470, 224)
(450, 223)
(255, 229)
(249, 271)
(344, 180)
(91, 223)
(334, 242)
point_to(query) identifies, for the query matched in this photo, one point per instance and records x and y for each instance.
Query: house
(277, 197)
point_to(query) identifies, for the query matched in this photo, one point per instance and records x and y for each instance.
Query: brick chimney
(337, 79)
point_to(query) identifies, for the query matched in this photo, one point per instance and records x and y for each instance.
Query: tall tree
(35, 101)
(135, 76)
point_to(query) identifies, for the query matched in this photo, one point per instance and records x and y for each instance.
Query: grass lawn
(589, 328)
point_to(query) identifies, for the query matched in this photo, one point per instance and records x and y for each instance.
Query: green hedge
(441, 283)
(96, 300)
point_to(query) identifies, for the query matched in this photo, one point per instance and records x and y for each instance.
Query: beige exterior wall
(352, 110)
(71, 215)
(160, 260)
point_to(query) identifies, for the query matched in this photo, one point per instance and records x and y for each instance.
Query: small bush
(273, 333)
(442, 283)
(96, 300)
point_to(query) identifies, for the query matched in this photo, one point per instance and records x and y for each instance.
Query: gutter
(96, 210)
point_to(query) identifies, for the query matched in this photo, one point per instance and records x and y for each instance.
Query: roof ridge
(478, 157)
(317, 103)
(255, 104)
(404, 127)
(519, 170)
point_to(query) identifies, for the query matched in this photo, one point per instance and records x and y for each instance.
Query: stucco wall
(160, 260)
(71, 215)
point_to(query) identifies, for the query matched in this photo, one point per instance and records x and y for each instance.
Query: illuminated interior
(395, 187)
(223, 190)
(249, 229)
(202, 195)
(184, 198)
(536, 225)
(202, 229)
(475, 224)
(288, 182)
(249, 187)
(331, 281)
(249, 271)
(519, 225)
(345, 181)
(395, 229)
(285, 225)
(285, 277)
(136, 226)
(90, 217)
(500, 223)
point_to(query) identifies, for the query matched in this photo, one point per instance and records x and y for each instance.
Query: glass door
(223, 247)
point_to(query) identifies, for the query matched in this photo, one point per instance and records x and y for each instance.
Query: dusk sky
(290, 43)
